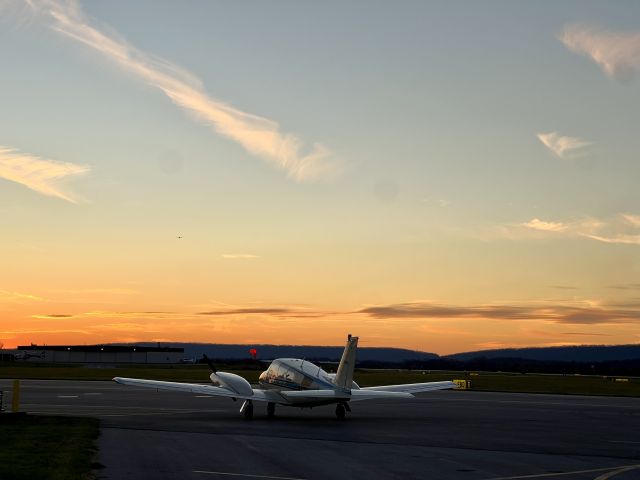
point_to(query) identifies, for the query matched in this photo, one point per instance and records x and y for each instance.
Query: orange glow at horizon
(27, 323)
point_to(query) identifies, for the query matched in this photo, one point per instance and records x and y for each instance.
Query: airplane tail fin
(344, 377)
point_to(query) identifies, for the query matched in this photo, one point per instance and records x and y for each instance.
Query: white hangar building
(107, 354)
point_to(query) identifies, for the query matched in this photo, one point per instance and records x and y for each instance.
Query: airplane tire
(248, 412)
(271, 409)
(340, 411)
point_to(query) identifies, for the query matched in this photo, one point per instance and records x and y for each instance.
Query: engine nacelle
(231, 381)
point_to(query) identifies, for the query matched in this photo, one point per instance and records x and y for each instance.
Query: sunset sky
(441, 176)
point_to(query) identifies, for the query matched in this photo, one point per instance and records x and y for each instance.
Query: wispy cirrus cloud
(537, 224)
(579, 315)
(38, 174)
(617, 53)
(6, 296)
(239, 256)
(586, 334)
(626, 286)
(258, 135)
(620, 229)
(38, 330)
(248, 311)
(102, 291)
(279, 312)
(562, 146)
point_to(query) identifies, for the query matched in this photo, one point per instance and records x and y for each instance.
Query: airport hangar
(107, 354)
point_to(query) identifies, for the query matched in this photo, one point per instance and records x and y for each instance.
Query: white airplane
(296, 383)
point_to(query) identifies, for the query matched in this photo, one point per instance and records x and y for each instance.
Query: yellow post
(462, 384)
(15, 405)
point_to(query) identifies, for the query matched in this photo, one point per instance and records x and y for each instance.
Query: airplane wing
(388, 391)
(200, 389)
(356, 395)
(410, 387)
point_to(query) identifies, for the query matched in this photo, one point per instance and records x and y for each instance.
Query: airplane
(294, 382)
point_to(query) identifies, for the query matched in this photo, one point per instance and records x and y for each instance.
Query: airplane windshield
(290, 374)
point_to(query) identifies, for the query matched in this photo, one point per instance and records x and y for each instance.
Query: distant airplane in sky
(179, 236)
(296, 383)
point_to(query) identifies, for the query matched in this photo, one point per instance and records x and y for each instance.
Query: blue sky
(427, 178)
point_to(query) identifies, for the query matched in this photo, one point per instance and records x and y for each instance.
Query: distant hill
(382, 355)
(310, 352)
(580, 353)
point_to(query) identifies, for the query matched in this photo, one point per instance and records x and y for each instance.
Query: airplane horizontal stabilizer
(412, 387)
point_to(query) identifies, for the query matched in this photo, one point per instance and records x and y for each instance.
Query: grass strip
(484, 381)
(44, 447)
(515, 383)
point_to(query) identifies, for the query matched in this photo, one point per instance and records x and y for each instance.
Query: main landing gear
(247, 409)
(341, 410)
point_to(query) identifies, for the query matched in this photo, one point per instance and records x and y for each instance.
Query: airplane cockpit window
(284, 372)
(272, 371)
(296, 376)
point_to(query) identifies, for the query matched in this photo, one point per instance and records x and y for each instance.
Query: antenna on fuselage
(210, 363)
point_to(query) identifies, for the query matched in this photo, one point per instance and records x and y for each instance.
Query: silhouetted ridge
(578, 353)
(309, 352)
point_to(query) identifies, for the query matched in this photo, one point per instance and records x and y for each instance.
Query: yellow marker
(15, 406)
(622, 379)
(463, 384)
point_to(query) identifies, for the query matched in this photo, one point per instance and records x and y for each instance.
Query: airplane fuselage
(287, 374)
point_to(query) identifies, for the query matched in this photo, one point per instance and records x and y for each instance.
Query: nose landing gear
(271, 409)
(340, 411)
(247, 409)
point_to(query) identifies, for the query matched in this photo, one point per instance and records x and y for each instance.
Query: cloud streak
(537, 224)
(620, 229)
(589, 315)
(242, 256)
(561, 146)
(6, 295)
(626, 286)
(278, 312)
(259, 136)
(38, 174)
(617, 53)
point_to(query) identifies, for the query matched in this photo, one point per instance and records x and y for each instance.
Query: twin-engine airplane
(295, 383)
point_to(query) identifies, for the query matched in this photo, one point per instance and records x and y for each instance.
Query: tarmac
(457, 435)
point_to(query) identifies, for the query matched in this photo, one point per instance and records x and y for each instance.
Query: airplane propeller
(210, 363)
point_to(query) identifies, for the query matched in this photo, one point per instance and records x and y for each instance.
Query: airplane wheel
(271, 409)
(340, 411)
(248, 412)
